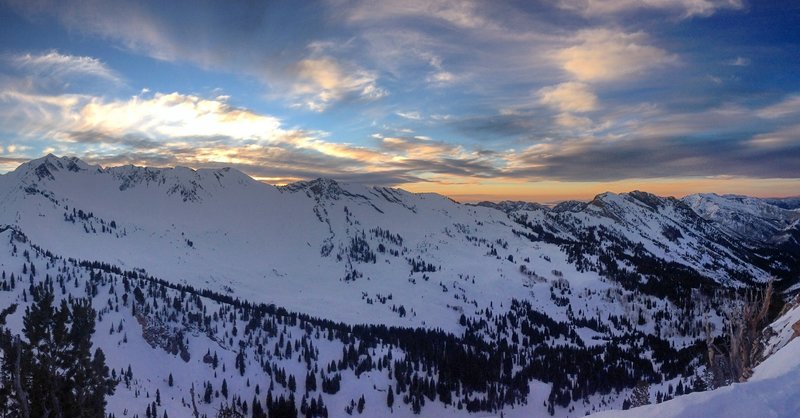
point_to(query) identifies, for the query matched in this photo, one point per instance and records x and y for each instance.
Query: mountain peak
(320, 187)
(570, 206)
(46, 167)
(648, 199)
(509, 206)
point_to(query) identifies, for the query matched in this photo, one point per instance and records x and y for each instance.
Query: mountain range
(511, 307)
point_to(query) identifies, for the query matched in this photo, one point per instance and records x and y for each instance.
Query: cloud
(409, 115)
(441, 77)
(321, 81)
(790, 106)
(652, 157)
(458, 13)
(10, 163)
(780, 139)
(738, 62)
(569, 97)
(606, 55)
(158, 116)
(571, 121)
(238, 37)
(62, 67)
(687, 8)
(175, 128)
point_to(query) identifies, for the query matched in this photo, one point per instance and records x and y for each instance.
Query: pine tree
(361, 403)
(641, 394)
(56, 372)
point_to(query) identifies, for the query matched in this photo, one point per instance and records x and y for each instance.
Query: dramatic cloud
(229, 37)
(656, 158)
(428, 93)
(160, 116)
(606, 55)
(191, 130)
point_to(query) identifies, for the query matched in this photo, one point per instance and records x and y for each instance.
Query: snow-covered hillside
(512, 307)
(747, 217)
(327, 249)
(770, 392)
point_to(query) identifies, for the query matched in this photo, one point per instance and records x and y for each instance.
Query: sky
(539, 100)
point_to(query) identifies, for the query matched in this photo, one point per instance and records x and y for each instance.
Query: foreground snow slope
(772, 391)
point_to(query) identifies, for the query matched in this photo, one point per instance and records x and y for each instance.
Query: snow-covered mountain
(748, 217)
(308, 241)
(558, 310)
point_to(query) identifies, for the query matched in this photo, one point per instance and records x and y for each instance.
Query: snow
(266, 243)
(771, 392)
(219, 229)
(747, 217)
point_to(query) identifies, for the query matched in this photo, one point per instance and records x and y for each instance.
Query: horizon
(473, 200)
(539, 101)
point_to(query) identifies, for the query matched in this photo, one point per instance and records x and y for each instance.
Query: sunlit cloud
(156, 116)
(569, 120)
(210, 41)
(197, 131)
(607, 55)
(569, 97)
(323, 80)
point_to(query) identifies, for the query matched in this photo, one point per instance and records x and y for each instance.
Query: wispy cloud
(686, 8)
(459, 13)
(409, 115)
(223, 37)
(738, 62)
(321, 81)
(790, 106)
(63, 68)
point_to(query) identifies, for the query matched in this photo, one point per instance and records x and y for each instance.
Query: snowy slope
(315, 246)
(747, 217)
(770, 392)
(170, 330)
(566, 300)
